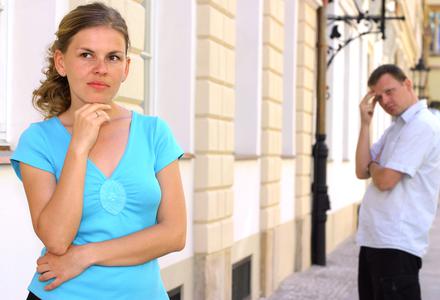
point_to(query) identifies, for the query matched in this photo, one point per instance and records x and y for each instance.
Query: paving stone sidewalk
(338, 280)
(335, 281)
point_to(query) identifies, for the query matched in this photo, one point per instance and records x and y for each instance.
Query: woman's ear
(127, 69)
(58, 59)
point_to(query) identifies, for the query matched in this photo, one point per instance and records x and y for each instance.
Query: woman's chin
(98, 101)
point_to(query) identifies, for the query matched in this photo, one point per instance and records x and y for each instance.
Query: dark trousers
(388, 274)
(31, 296)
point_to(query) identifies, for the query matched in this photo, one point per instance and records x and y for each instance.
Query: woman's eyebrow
(92, 51)
(86, 49)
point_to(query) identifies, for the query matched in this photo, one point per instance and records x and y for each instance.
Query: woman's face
(95, 65)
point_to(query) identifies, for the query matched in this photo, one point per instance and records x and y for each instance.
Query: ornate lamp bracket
(373, 24)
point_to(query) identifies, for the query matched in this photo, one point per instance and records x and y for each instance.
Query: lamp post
(420, 77)
(320, 201)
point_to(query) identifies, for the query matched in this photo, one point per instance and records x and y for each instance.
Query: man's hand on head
(366, 107)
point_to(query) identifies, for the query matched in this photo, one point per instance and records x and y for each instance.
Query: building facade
(236, 82)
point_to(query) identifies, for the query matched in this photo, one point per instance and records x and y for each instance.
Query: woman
(103, 183)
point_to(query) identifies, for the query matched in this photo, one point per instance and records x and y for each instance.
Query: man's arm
(363, 156)
(384, 179)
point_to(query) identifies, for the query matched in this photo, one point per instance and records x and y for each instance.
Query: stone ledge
(5, 156)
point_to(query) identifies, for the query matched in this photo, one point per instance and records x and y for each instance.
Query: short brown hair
(390, 69)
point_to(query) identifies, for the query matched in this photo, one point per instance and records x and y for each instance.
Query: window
(149, 107)
(3, 70)
(289, 74)
(175, 294)
(241, 279)
(248, 65)
(434, 30)
(174, 67)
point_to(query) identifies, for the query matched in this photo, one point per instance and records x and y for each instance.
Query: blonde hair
(53, 96)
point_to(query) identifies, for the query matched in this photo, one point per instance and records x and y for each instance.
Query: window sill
(243, 157)
(5, 154)
(187, 156)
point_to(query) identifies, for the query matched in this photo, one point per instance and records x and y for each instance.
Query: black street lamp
(420, 77)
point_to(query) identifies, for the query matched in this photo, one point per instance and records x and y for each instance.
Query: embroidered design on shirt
(112, 196)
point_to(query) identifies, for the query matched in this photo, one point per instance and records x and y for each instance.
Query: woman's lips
(98, 85)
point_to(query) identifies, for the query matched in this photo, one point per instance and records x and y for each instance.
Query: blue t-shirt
(113, 207)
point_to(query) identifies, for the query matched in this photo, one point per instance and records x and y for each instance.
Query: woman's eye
(86, 55)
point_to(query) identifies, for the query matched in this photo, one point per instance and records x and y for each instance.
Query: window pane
(3, 66)
(147, 56)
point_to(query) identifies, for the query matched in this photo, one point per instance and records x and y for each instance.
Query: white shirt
(401, 217)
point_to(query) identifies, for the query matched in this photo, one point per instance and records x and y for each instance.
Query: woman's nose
(100, 66)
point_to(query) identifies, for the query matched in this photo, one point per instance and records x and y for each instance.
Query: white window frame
(289, 78)
(147, 55)
(347, 97)
(248, 77)
(3, 70)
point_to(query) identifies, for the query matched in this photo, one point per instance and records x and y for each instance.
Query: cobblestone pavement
(430, 274)
(338, 280)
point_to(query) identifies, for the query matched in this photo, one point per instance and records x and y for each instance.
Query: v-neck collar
(121, 160)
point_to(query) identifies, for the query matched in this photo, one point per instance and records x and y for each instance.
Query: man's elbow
(361, 175)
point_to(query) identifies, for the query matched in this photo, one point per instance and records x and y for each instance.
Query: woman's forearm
(139, 247)
(59, 221)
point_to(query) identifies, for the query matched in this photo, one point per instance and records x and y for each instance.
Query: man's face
(394, 96)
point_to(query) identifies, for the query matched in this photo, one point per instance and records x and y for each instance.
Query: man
(400, 203)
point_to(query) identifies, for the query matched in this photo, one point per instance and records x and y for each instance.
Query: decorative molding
(314, 3)
(240, 157)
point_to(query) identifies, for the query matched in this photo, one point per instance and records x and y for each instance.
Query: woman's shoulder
(145, 119)
(150, 123)
(40, 127)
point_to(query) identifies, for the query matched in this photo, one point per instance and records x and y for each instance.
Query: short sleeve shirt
(401, 217)
(114, 206)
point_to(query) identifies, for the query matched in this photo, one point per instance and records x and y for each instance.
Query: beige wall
(214, 144)
(434, 78)
(272, 98)
(305, 109)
